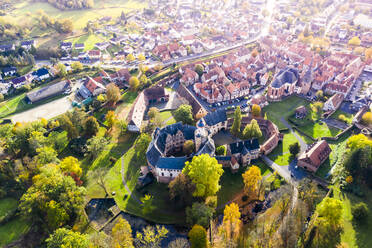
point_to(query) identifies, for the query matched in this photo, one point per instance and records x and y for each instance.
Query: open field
(88, 39)
(281, 154)
(12, 230)
(283, 109)
(355, 235)
(6, 205)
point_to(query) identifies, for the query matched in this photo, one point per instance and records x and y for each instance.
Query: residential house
(94, 54)
(314, 156)
(19, 82)
(9, 71)
(333, 103)
(102, 45)
(91, 87)
(189, 77)
(40, 74)
(197, 109)
(28, 44)
(79, 46)
(7, 47)
(66, 46)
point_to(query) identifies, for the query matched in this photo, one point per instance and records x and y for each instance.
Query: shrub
(360, 212)
(113, 160)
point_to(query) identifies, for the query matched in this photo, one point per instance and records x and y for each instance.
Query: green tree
(198, 237)
(95, 146)
(134, 83)
(61, 70)
(151, 237)
(147, 206)
(112, 94)
(181, 189)
(256, 110)
(199, 214)
(46, 155)
(130, 57)
(77, 66)
(91, 126)
(1, 97)
(235, 128)
(111, 119)
(199, 69)
(71, 165)
(221, 151)
(252, 130)
(141, 144)
(184, 114)
(123, 126)
(294, 149)
(65, 238)
(72, 131)
(360, 212)
(188, 147)
(122, 234)
(53, 199)
(205, 173)
(153, 112)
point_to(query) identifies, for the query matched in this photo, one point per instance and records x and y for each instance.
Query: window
(171, 175)
(162, 174)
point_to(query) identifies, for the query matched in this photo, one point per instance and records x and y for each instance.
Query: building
(214, 121)
(314, 156)
(79, 46)
(301, 112)
(41, 74)
(9, 71)
(66, 46)
(189, 77)
(28, 44)
(164, 154)
(18, 82)
(49, 91)
(283, 84)
(333, 103)
(7, 47)
(244, 151)
(197, 109)
(91, 87)
(146, 97)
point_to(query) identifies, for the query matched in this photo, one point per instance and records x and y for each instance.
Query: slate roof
(8, 69)
(171, 163)
(40, 72)
(244, 147)
(27, 42)
(153, 155)
(216, 117)
(19, 80)
(48, 91)
(207, 148)
(289, 75)
(223, 158)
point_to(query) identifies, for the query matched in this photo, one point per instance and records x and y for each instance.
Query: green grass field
(280, 154)
(12, 230)
(355, 235)
(88, 40)
(349, 117)
(283, 109)
(319, 129)
(6, 205)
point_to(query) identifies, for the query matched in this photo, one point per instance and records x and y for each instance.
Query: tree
(235, 128)
(198, 237)
(70, 165)
(153, 112)
(367, 118)
(133, 83)
(251, 178)
(141, 145)
(141, 57)
(252, 130)
(230, 228)
(317, 108)
(221, 151)
(53, 199)
(99, 174)
(112, 94)
(147, 206)
(181, 190)
(77, 66)
(91, 126)
(101, 98)
(63, 237)
(72, 131)
(294, 149)
(328, 223)
(368, 53)
(61, 70)
(95, 146)
(199, 214)
(188, 147)
(355, 41)
(184, 114)
(319, 94)
(1, 97)
(205, 173)
(123, 126)
(151, 237)
(256, 110)
(199, 69)
(111, 119)
(130, 57)
(122, 234)
(100, 240)
(360, 212)
(46, 155)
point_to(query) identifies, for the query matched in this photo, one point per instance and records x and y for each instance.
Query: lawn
(6, 205)
(283, 109)
(355, 235)
(89, 40)
(280, 154)
(319, 129)
(12, 230)
(349, 117)
(167, 117)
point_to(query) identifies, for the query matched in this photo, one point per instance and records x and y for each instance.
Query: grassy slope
(88, 40)
(280, 154)
(12, 230)
(6, 205)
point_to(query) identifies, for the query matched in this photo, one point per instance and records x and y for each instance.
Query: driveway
(47, 111)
